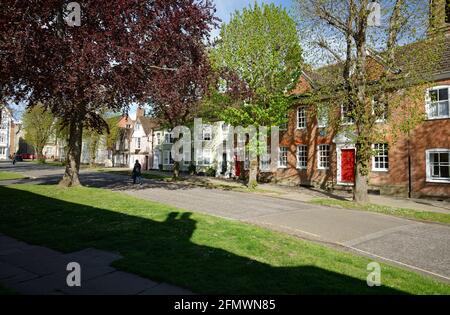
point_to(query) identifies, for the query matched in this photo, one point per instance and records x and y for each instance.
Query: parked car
(26, 156)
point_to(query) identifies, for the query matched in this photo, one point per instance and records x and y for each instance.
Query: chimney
(440, 16)
(140, 112)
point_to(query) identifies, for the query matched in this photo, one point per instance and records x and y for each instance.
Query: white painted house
(141, 145)
(8, 130)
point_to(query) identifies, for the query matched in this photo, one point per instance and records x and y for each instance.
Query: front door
(348, 166)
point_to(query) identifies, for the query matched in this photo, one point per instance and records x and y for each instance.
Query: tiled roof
(148, 124)
(406, 59)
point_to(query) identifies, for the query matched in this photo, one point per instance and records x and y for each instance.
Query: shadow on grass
(162, 250)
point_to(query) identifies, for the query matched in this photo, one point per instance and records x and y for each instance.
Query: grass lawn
(10, 176)
(398, 212)
(197, 181)
(202, 253)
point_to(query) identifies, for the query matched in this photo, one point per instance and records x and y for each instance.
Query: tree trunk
(253, 174)
(176, 170)
(40, 155)
(360, 194)
(71, 175)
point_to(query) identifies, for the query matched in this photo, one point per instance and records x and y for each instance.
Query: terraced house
(416, 164)
(9, 134)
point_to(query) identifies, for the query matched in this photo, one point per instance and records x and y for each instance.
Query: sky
(226, 7)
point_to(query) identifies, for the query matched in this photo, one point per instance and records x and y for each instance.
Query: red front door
(348, 165)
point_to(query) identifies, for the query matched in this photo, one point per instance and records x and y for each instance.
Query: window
(322, 119)
(167, 158)
(302, 156)
(168, 138)
(438, 103)
(264, 161)
(205, 157)
(2, 151)
(301, 117)
(347, 115)
(323, 159)
(438, 165)
(138, 143)
(207, 131)
(380, 159)
(282, 157)
(2, 138)
(380, 110)
(158, 138)
(138, 127)
(284, 126)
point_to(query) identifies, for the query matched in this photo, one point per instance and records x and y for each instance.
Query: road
(423, 247)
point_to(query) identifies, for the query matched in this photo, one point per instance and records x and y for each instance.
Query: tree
(370, 65)
(113, 135)
(257, 59)
(123, 52)
(39, 126)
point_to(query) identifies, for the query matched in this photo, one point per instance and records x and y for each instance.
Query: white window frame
(322, 119)
(346, 120)
(168, 138)
(201, 158)
(385, 112)
(428, 102)
(301, 119)
(207, 133)
(138, 143)
(167, 157)
(382, 156)
(283, 153)
(303, 158)
(265, 166)
(320, 166)
(285, 126)
(430, 178)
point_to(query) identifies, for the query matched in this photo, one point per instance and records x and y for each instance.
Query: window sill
(301, 168)
(282, 167)
(323, 168)
(437, 118)
(438, 181)
(301, 128)
(380, 170)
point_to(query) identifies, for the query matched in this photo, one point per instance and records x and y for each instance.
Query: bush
(192, 169)
(210, 172)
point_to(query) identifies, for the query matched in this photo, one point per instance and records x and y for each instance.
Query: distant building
(9, 134)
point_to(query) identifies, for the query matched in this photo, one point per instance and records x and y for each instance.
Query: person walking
(14, 159)
(136, 174)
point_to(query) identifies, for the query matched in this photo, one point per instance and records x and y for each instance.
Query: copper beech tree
(122, 52)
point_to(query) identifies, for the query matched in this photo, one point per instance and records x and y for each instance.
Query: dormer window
(438, 102)
(347, 115)
(207, 131)
(380, 110)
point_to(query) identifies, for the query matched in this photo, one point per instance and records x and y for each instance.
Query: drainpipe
(409, 167)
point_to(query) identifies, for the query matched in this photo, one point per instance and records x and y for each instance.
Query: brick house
(311, 154)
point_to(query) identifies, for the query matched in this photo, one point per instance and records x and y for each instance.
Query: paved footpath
(29, 269)
(423, 247)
